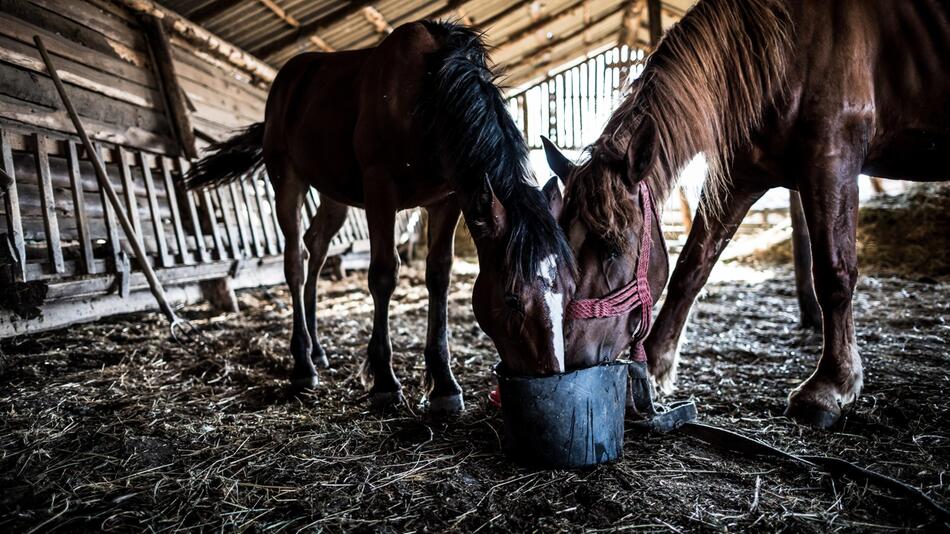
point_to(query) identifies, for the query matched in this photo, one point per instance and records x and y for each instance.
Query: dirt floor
(115, 426)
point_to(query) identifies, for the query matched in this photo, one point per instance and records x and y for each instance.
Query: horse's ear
(552, 191)
(487, 212)
(558, 162)
(642, 150)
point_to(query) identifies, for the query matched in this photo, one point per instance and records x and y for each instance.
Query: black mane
(472, 125)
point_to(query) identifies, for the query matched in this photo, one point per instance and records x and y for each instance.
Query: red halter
(635, 293)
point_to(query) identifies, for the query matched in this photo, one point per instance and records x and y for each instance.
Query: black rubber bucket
(572, 419)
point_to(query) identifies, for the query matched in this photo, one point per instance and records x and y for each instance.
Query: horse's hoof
(384, 401)
(813, 416)
(446, 406)
(321, 362)
(305, 382)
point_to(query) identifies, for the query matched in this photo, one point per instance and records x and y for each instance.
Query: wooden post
(656, 22)
(220, 295)
(160, 51)
(810, 311)
(48, 204)
(11, 202)
(79, 209)
(685, 211)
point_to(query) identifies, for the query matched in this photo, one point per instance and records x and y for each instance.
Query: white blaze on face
(555, 304)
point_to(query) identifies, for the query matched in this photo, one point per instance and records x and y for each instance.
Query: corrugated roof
(530, 37)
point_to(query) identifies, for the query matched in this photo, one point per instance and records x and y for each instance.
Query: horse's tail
(230, 159)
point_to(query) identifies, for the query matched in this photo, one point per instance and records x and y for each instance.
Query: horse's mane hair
(704, 89)
(477, 138)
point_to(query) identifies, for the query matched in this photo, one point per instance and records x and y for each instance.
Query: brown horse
(802, 94)
(416, 121)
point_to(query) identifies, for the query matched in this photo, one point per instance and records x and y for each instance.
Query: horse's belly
(911, 155)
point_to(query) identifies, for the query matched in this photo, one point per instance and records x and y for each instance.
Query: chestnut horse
(415, 121)
(801, 94)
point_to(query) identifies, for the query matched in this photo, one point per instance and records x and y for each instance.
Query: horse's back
(879, 70)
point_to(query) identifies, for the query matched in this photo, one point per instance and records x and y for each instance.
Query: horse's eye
(513, 302)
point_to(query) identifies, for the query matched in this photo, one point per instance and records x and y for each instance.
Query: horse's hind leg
(385, 390)
(444, 393)
(289, 198)
(829, 192)
(325, 224)
(705, 243)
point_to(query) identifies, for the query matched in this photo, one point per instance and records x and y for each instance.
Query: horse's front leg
(444, 393)
(829, 192)
(706, 241)
(377, 372)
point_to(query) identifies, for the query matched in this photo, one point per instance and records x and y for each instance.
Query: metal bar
(48, 204)
(12, 204)
(79, 207)
(136, 243)
(184, 254)
(158, 228)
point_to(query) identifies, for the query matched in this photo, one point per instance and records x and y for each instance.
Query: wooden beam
(374, 17)
(205, 40)
(164, 67)
(211, 10)
(542, 55)
(509, 54)
(655, 10)
(540, 23)
(305, 31)
(632, 22)
(291, 21)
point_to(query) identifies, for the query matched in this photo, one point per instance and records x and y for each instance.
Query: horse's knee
(383, 277)
(438, 275)
(834, 285)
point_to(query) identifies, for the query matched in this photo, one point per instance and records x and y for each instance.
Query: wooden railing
(59, 230)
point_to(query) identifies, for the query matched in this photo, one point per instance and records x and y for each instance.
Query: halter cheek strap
(626, 298)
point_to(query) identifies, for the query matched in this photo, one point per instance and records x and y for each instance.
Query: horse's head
(612, 226)
(525, 276)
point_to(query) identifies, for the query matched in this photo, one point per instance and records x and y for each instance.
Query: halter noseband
(635, 293)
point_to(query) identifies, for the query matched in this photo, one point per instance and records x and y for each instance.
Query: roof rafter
(305, 31)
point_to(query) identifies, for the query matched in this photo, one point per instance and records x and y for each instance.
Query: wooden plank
(79, 203)
(209, 210)
(112, 226)
(128, 190)
(229, 226)
(242, 229)
(255, 234)
(164, 65)
(256, 185)
(74, 73)
(183, 253)
(50, 221)
(12, 204)
(203, 255)
(17, 111)
(26, 86)
(158, 228)
(23, 30)
(93, 18)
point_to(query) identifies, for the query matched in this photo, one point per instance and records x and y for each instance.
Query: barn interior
(111, 423)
